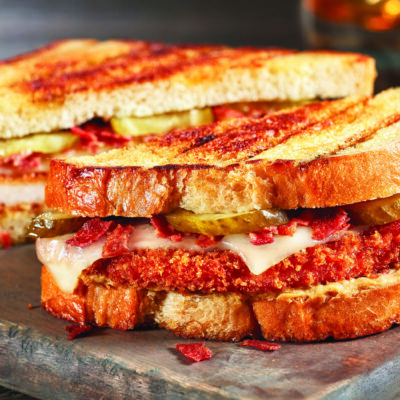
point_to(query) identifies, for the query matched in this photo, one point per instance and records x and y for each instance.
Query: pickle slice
(50, 224)
(41, 142)
(137, 126)
(225, 224)
(376, 212)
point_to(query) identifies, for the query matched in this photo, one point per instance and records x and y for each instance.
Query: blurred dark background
(25, 24)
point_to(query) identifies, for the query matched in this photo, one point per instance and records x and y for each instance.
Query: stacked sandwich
(288, 223)
(82, 96)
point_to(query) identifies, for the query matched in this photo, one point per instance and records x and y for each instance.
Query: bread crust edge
(300, 318)
(206, 189)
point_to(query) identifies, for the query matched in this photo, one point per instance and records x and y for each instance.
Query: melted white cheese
(260, 258)
(66, 262)
(22, 193)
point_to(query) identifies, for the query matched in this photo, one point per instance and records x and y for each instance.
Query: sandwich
(83, 96)
(288, 225)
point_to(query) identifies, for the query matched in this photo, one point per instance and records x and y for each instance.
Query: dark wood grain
(37, 359)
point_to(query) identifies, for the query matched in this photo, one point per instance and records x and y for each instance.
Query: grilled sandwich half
(84, 96)
(289, 223)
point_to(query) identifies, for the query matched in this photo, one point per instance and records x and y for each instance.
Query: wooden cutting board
(37, 358)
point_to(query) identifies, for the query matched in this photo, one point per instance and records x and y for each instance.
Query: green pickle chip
(225, 224)
(47, 143)
(50, 224)
(137, 126)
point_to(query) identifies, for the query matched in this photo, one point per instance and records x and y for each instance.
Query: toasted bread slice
(325, 154)
(342, 310)
(72, 81)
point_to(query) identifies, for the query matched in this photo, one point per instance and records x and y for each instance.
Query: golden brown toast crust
(229, 317)
(72, 81)
(321, 155)
(341, 317)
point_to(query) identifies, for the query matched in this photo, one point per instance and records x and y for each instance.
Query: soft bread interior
(72, 81)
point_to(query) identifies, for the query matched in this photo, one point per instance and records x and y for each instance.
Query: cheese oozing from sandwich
(66, 262)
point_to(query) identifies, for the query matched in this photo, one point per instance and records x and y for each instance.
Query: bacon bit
(258, 344)
(205, 241)
(84, 134)
(391, 227)
(263, 236)
(117, 241)
(90, 232)
(5, 239)
(24, 161)
(325, 227)
(222, 113)
(322, 227)
(290, 228)
(94, 136)
(75, 330)
(164, 229)
(195, 351)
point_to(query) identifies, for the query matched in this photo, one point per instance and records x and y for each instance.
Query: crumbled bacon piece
(222, 113)
(164, 229)
(205, 241)
(327, 226)
(322, 227)
(195, 351)
(290, 228)
(258, 344)
(90, 232)
(94, 136)
(5, 239)
(117, 241)
(24, 161)
(263, 236)
(84, 134)
(75, 330)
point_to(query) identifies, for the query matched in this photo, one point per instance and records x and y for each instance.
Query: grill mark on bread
(254, 137)
(249, 137)
(144, 63)
(353, 143)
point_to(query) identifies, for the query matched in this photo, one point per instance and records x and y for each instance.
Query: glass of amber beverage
(369, 26)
